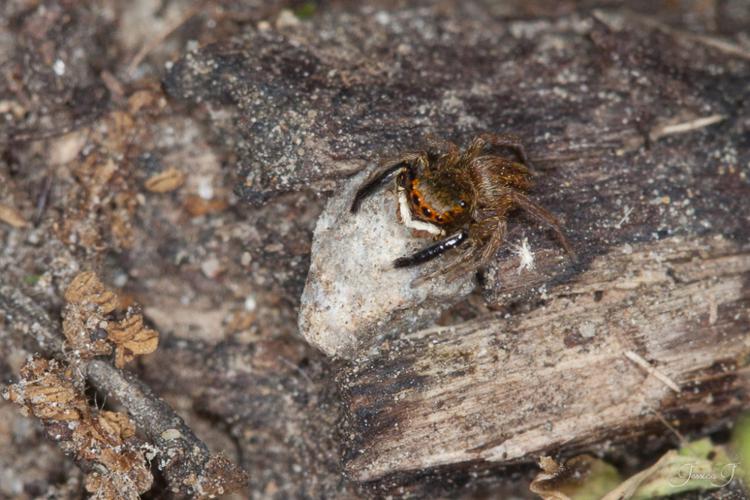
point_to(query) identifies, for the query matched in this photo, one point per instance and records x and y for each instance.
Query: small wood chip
(638, 360)
(142, 99)
(683, 127)
(11, 216)
(166, 181)
(64, 149)
(197, 206)
(171, 435)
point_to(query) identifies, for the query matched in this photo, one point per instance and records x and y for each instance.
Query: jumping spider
(467, 195)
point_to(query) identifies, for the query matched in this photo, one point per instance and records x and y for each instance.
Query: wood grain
(507, 389)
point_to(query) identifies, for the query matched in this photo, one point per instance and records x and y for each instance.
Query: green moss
(602, 478)
(306, 10)
(31, 279)
(740, 447)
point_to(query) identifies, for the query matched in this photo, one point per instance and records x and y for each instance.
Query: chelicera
(461, 198)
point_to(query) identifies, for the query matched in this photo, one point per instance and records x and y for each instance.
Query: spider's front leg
(381, 177)
(432, 251)
(485, 238)
(493, 232)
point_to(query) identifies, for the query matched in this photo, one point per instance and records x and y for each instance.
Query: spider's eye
(462, 204)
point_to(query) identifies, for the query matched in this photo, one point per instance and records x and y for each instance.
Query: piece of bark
(508, 389)
(306, 106)
(185, 459)
(22, 314)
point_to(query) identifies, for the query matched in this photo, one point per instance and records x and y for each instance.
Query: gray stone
(354, 296)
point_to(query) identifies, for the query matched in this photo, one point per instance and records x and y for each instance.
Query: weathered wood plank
(505, 389)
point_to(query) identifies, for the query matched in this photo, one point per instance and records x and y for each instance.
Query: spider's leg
(498, 228)
(510, 141)
(482, 252)
(437, 146)
(543, 215)
(376, 181)
(432, 251)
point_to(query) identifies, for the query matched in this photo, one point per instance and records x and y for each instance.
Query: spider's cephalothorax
(464, 195)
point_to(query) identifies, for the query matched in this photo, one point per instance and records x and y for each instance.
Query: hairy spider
(466, 195)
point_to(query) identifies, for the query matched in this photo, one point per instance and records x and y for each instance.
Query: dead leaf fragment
(696, 466)
(197, 206)
(545, 483)
(131, 338)
(86, 287)
(220, 477)
(124, 474)
(46, 392)
(581, 477)
(143, 99)
(81, 332)
(99, 210)
(104, 441)
(11, 216)
(117, 132)
(91, 332)
(52, 401)
(166, 181)
(116, 424)
(111, 486)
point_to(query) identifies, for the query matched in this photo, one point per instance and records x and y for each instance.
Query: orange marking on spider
(425, 211)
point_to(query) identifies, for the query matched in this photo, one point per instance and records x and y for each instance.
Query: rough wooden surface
(640, 133)
(507, 389)
(643, 152)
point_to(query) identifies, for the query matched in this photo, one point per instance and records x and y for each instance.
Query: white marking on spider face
(406, 218)
(525, 257)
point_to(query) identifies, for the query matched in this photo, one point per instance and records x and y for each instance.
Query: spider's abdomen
(491, 174)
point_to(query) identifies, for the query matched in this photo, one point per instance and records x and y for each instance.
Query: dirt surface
(183, 151)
